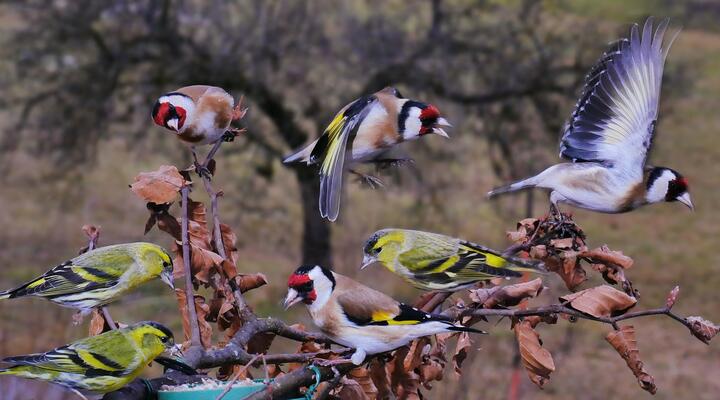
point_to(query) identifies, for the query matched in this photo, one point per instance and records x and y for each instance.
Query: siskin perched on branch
(100, 276)
(97, 364)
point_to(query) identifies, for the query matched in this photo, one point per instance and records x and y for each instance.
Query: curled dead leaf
(462, 348)
(537, 361)
(702, 328)
(568, 267)
(380, 378)
(350, 389)
(97, 323)
(604, 255)
(508, 295)
(362, 377)
(624, 342)
(229, 240)
(248, 282)
(202, 309)
(160, 186)
(600, 301)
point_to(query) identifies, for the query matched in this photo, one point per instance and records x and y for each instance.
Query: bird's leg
(385, 163)
(200, 169)
(370, 180)
(108, 318)
(80, 395)
(238, 111)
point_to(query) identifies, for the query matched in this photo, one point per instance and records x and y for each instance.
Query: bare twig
(108, 318)
(189, 293)
(236, 376)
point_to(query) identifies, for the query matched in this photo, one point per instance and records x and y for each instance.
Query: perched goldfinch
(97, 364)
(100, 276)
(610, 133)
(197, 114)
(365, 131)
(431, 261)
(359, 317)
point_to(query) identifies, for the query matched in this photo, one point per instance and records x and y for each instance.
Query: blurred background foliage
(78, 79)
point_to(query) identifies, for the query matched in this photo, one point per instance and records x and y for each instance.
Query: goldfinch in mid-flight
(97, 364)
(609, 135)
(365, 131)
(431, 261)
(356, 316)
(100, 276)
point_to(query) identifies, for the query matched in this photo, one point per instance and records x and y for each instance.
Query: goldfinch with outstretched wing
(99, 276)
(431, 261)
(365, 131)
(356, 316)
(610, 133)
(97, 364)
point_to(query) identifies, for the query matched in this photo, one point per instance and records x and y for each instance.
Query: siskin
(97, 364)
(100, 276)
(431, 261)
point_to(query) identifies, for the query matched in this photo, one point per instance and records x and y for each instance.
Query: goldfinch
(359, 317)
(197, 114)
(99, 276)
(610, 133)
(365, 131)
(431, 261)
(97, 364)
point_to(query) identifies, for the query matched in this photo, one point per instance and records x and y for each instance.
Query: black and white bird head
(173, 111)
(665, 184)
(418, 119)
(311, 284)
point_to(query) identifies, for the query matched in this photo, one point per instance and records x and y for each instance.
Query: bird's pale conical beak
(440, 131)
(443, 122)
(685, 199)
(167, 277)
(292, 298)
(367, 260)
(173, 124)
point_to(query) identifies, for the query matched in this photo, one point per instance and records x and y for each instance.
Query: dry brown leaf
(565, 243)
(229, 242)
(508, 295)
(202, 309)
(600, 301)
(161, 186)
(604, 255)
(462, 348)
(97, 323)
(624, 342)
(351, 390)
(569, 270)
(431, 370)
(414, 357)
(362, 377)
(203, 263)
(380, 378)
(250, 281)
(537, 361)
(229, 269)
(405, 384)
(260, 343)
(702, 328)
(197, 212)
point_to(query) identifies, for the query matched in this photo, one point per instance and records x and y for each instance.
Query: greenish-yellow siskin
(100, 276)
(432, 261)
(97, 364)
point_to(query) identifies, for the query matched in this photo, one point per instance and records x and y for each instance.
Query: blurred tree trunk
(316, 230)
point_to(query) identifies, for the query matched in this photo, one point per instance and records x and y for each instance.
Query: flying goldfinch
(365, 131)
(431, 261)
(610, 133)
(99, 276)
(359, 317)
(97, 364)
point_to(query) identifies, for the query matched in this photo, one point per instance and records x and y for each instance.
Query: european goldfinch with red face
(198, 114)
(610, 133)
(356, 316)
(365, 131)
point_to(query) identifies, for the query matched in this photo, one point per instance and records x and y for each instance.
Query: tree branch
(189, 293)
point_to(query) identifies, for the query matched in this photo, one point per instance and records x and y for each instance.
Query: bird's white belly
(379, 339)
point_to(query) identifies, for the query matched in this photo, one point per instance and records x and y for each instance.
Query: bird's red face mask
(300, 288)
(169, 116)
(432, 122)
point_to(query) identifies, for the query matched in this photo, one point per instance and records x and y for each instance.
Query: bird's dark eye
(164, 339)
(305, 287)
(378, 250)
